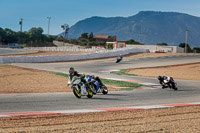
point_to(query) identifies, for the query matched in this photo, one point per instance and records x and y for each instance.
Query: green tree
(10, 36)
(84, 35)
(36, 34)
(162, 44)
(22, 37)
(2, 34)
(182, 45)
(196, 49)
(91, 36)
(131, 41)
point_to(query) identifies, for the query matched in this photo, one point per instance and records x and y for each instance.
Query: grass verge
(62, 74)
(123, 72)
(127, 85)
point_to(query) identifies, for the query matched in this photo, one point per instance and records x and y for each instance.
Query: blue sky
(35, 12)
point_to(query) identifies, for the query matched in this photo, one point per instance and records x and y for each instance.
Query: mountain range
(147, 27)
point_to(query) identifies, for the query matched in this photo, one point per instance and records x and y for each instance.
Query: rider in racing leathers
(73, 73)
(97, 79)
(162, 78)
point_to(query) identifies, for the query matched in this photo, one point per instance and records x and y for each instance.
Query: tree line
(85, 39)
(35, 37)
(32, 37)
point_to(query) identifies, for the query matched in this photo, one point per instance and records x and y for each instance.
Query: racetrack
(189, 91)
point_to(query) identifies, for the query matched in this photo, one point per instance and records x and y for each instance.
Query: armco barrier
(71, 57)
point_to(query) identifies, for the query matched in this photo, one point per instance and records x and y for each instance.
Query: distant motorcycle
(95, 86)
(168, 82)
(119, 58)
(79, 88)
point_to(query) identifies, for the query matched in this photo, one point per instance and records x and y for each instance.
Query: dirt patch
(20, 80)
(185, 71)
(179, 119)
(148, 55)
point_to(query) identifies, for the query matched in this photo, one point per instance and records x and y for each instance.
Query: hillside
(148, 27)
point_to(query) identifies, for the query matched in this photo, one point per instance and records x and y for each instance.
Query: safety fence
(70, 57)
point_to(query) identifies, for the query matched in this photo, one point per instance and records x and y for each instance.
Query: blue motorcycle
(95, 85)
(119, 58)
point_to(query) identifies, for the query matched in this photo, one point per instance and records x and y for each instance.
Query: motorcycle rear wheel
(93, 89)
(90, 94)
(174, 86)
(105, 90)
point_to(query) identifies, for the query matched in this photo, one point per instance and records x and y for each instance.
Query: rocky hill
(148, 27)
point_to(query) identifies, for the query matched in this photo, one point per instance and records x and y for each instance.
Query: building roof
(101, 36)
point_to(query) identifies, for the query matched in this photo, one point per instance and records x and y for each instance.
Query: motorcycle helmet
(159, 77)
(88, 78)
(71, 70)
(165, 78)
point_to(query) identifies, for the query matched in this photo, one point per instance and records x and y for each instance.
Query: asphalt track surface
(189, 91)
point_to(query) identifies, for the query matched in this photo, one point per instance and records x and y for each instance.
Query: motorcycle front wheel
(76, 91)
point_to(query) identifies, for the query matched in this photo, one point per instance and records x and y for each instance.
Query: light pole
(186, 41)
(20, 23)
(48, 24)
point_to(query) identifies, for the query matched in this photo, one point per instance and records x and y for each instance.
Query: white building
(153, 48)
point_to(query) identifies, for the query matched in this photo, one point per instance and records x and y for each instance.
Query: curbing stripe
(76, 111)
(97, 110)
(115, 109)
(3, 116)
(151, 107)
(29, 114)
(180, 105)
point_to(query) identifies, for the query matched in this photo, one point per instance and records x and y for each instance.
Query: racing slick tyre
(77, 91)
(93, 89)
(90, 93)
(105, 90)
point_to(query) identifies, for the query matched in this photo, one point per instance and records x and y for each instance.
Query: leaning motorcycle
(79, 88)
(169, 82)
(95, 86)
(119, 58)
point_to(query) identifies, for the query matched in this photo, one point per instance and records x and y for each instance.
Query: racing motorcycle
(95, 86)
(119, 58)
(79, 88)
(169, 82)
